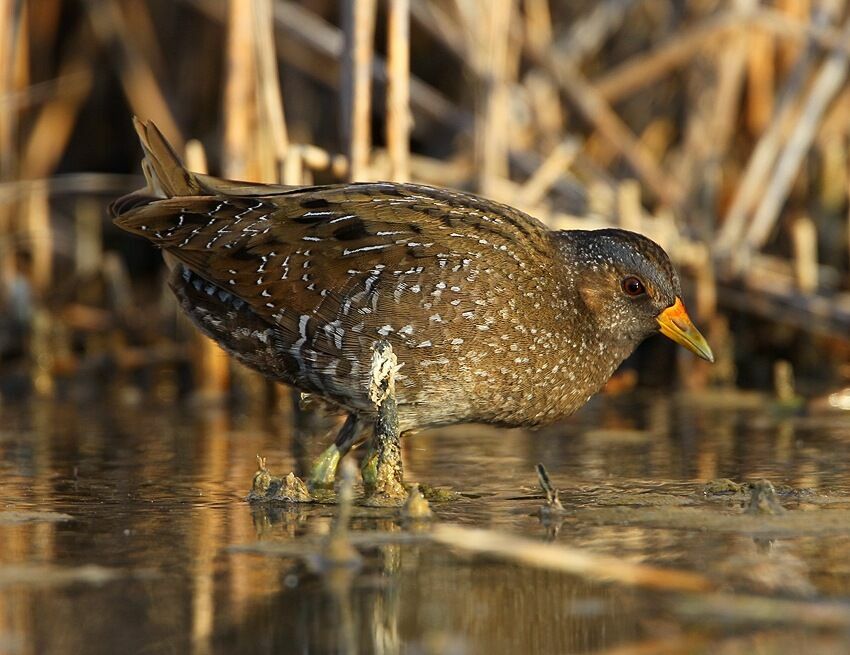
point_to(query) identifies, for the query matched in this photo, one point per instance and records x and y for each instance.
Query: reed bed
(717, 127)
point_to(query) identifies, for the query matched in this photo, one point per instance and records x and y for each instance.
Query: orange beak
(675, 324)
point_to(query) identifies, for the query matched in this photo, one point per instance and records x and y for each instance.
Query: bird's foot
(323, 473)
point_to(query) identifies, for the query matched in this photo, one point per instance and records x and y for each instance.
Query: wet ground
(126, 530)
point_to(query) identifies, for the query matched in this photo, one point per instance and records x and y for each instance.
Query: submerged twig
(553, 502)
(556, 557)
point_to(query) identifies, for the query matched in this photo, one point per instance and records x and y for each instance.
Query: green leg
(323, 473)
(324, 468)
(369, 466)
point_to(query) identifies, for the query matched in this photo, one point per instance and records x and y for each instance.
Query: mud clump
(757, 497)
(383, 473)
(266, 487)
(416, 507)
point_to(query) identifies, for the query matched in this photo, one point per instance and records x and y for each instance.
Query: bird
(494, 317)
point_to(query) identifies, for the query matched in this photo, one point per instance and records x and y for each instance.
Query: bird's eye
(633, 287)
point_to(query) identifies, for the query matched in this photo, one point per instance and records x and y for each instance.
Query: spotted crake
(494, 317)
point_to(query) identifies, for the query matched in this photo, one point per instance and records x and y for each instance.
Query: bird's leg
(324, 468)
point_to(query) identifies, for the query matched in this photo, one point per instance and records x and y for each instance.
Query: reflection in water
(157, 499)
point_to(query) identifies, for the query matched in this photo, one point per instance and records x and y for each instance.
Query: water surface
(124, 529)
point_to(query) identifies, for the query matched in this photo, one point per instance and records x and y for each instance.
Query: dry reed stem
(358, 20)
(292, 169)
(761, 82)
(211, 364)
(488, 41)
(55, 122)
(137, 79)
(398, 89)
(40, 237)
(88, 237)
(706, 288)
(832, 182)
(712, 121)
(834, 125)
(629, 208)
(552, 168)
(588, 33)
(21, 100)
(238, 156)
(145, 31)
(248, 152)
(642, 70)
(672, 645)
(538, 26)
(76, 183)
(10, 28)
(847, 226)
(273, 122)
(828, 82)
(11, 59)
(763, 156)
(328, 40)
(797, 11)
(804, 238)
(596, 110)
(545, 102)
(317, 159)
(732, 63)
(797, 32)
(432, 17)
(574, 561)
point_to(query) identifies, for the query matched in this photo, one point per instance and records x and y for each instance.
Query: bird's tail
(164, 172)
(167, 177)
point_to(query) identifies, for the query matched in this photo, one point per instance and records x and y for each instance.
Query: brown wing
(337, 267)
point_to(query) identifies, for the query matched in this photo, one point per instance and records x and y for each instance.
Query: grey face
(624, 279)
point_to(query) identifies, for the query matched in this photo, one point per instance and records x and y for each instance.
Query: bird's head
(630, 287)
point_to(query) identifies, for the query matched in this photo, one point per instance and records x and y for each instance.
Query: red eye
(632, 286)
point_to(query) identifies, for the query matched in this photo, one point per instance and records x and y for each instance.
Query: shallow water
(126, 530)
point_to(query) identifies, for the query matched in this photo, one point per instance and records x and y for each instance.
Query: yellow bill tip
(675, 324)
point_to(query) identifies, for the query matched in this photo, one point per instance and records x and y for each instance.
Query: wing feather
(323, 264)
